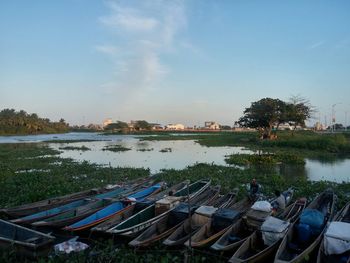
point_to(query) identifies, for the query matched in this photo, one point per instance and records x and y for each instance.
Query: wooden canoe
(167, 224)
(146, 217)
(112, 210)
(288, 251)
(71, 216)
(182, 233)
(210, 232)
(32, 208)
(253, 248)
(24, 241)
(135, 208)
(343, 216)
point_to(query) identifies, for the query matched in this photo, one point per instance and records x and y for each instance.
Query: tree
(142, 125)
(263, 115)
(299, 110)
(119, 125)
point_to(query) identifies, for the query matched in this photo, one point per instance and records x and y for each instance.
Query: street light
(333, 115)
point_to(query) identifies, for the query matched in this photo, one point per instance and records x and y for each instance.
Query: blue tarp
(313, 218)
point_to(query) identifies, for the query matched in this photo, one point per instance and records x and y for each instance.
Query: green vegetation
(308, 141)
(115, 148)
(22, 123)
(264, 159)
(65, 176)
(145, 150)
(81, 148)
(165, 150)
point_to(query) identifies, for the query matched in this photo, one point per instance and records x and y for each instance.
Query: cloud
(317, 44)
(142, 34)
(128, 19)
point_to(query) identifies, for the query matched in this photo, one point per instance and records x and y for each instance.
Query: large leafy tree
(263, 115)
(267, 113)
(142, 125)
(119, 125)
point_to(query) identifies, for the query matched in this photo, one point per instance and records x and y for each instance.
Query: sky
(172, 61)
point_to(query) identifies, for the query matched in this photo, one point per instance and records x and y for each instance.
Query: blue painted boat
(58, 210)
(113, 209)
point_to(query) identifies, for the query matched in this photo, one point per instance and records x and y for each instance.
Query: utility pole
(333, 115)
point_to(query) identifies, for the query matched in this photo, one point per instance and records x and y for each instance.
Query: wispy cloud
(317, 44)
(143, 34)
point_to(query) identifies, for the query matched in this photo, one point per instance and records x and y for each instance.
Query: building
(211, 125)
(175, 127)
(319, 126)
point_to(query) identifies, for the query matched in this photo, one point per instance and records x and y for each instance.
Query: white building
(177, 127)
(212, 125)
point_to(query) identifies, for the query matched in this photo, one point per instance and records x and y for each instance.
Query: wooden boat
(23, 240)
(219, 223)
(112, 209)
(342, 216)
(70, 206)
(28, 209)
(254, 218)
(135, 208)
(182, 233)
(290, 249)
(71, 216)
(255, 249)
(236, 234)
(146, 217)
(168, 223)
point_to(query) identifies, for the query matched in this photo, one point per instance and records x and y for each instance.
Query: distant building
(285, 127)
(156, 126)
(319, 126)
(212, 125)
(176, 127)
(107, 122)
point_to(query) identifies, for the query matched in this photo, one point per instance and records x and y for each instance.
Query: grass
(264, 159)
(65, 176)
(77, 148)
(145, 150)
(116, 148)
(311, 143)
(165, 150)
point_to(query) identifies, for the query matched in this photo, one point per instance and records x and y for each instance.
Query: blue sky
(171, 61)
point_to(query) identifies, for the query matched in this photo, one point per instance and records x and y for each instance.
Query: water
(182, 154)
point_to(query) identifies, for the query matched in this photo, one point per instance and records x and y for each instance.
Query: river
(157, 155)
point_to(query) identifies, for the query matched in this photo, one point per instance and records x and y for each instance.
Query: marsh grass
(115, 148)
(264, 159)
(77, 148)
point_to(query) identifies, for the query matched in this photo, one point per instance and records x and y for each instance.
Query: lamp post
(333, 115)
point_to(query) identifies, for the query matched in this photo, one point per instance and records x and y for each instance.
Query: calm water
(182, 154)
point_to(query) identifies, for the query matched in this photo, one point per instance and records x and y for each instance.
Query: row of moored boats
(193, 215)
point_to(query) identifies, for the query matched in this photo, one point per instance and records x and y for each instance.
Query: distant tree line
(268, 113)
(14, 122)
(120, 126)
